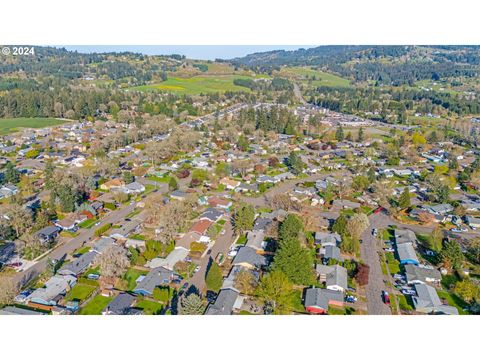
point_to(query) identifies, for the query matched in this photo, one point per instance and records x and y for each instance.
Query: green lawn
(315, 77)
(87, 224)
(80, 292)
(296, 301)
(197, 84)
(8, 126)
(242, 240)
(131, 275)
(393, 264)
(96, 305)
(453, 300)
(149, 307)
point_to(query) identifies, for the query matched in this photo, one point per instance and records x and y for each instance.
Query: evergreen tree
(339, 135)
(404, 200)
(12, 175)
(340, 225)
(214, 278)
(191, 305)
(172, 184)
(361, 135)
(295, 164)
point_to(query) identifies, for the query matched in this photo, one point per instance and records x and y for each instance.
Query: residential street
(71, 245)
(369, 253)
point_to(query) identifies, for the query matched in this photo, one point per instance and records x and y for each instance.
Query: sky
(201, 52)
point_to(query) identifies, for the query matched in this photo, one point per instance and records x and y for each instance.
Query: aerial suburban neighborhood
(161, 185)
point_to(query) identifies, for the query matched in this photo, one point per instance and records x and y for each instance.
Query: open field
(11, 125)
(315, 77)
(196, 85)
(96, 305)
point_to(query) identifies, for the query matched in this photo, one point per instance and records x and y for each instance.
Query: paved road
(369, 253)
(298, 93)
(70, 245)
(222, 245)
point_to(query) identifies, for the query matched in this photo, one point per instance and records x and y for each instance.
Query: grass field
(196, 85)
(80, 292)
(131, 275)
(96, 305)
(150, 307)
(315, 77)
(8, 126)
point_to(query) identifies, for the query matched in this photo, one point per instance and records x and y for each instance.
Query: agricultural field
(314, 77)
(8, 126)
(196, 85)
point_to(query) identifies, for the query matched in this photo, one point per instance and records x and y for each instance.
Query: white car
(389, 249)
(197, 269)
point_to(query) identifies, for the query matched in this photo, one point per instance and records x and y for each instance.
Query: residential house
(472, 221)
(178, 195)
(221, 203)
(201, 226)
(422, 275)
(229, 183)
(156, 277)
(404, 236)
(249, 258)
(324, 238)
(330, 252)
(178, 254)
(427, 301)
(13, 310)
(54, 287)
(132, 188)
(334, 277)
(318, 300)
(121, 305)
(211, 214)
(227, 301)
(406, 254)
(112, 184)
(255, 240)
(79, 265)
(47, 234)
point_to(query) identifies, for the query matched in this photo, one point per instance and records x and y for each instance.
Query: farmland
(196, 85)
(8, 126)
(314, 77)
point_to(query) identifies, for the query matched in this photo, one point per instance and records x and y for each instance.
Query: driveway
(222, 245)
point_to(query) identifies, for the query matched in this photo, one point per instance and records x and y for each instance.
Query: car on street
(15, 264)
(389, 249)
(385, 297)
(374, 231)
(184, 287)
(220, 259)
(197, 269)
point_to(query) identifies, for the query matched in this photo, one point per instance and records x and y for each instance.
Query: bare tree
(8, 289)
(113, 261)
(246, 282)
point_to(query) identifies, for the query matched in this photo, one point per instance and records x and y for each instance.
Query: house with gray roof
(335, 277)
(404, 236)
(325, 238)
(330, 252)
(421, 275)
(79, 265)
(211, 214)
(55, 286)
(406, 254)
(102, 244)
(120, 305)
(427, 301)
(472, 221)
(156, 277)
(178, 254)
(226, 302)
(248, 257)
(318, 300)
(439, 209)
(255, 239)
(47, 234)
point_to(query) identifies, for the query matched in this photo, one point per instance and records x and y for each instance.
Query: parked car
(93, 276)
(408, 292)
(211, 296)
(184, 287)
(351, 299)
(351, 289)
(389, 249)
(197, 268)
(220, 259)
(399, 276)
(374, 231)
(15, 264)
(188, 259)
(385, 297)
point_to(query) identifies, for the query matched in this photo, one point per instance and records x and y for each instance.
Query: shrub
(102, 229)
